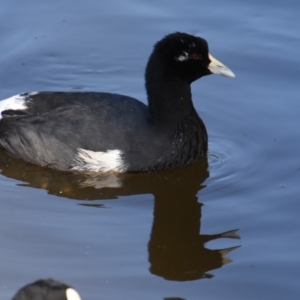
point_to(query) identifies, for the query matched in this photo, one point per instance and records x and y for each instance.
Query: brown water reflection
(176, 247)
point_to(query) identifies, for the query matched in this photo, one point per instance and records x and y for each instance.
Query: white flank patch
(71, 294)
(90, 161)
(16, 102)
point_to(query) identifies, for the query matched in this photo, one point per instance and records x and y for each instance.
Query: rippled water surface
(225, 228)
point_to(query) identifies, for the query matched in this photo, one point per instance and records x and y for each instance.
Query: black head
(186, 57)
(48, 289)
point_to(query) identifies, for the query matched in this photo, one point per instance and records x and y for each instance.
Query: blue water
(152, 236)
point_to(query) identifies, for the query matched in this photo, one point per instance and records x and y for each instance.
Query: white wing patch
(71, 294)
(16, 102)
(90, 161)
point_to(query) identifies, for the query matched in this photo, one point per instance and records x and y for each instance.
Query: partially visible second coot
(47, 289)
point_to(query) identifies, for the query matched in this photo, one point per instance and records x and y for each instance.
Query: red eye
(196, 56)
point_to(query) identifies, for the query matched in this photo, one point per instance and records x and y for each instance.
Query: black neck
(169, 100)
(169, 97)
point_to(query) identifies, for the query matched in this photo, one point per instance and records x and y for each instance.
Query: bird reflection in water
(177, 247)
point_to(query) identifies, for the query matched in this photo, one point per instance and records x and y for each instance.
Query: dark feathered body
(55, 125)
